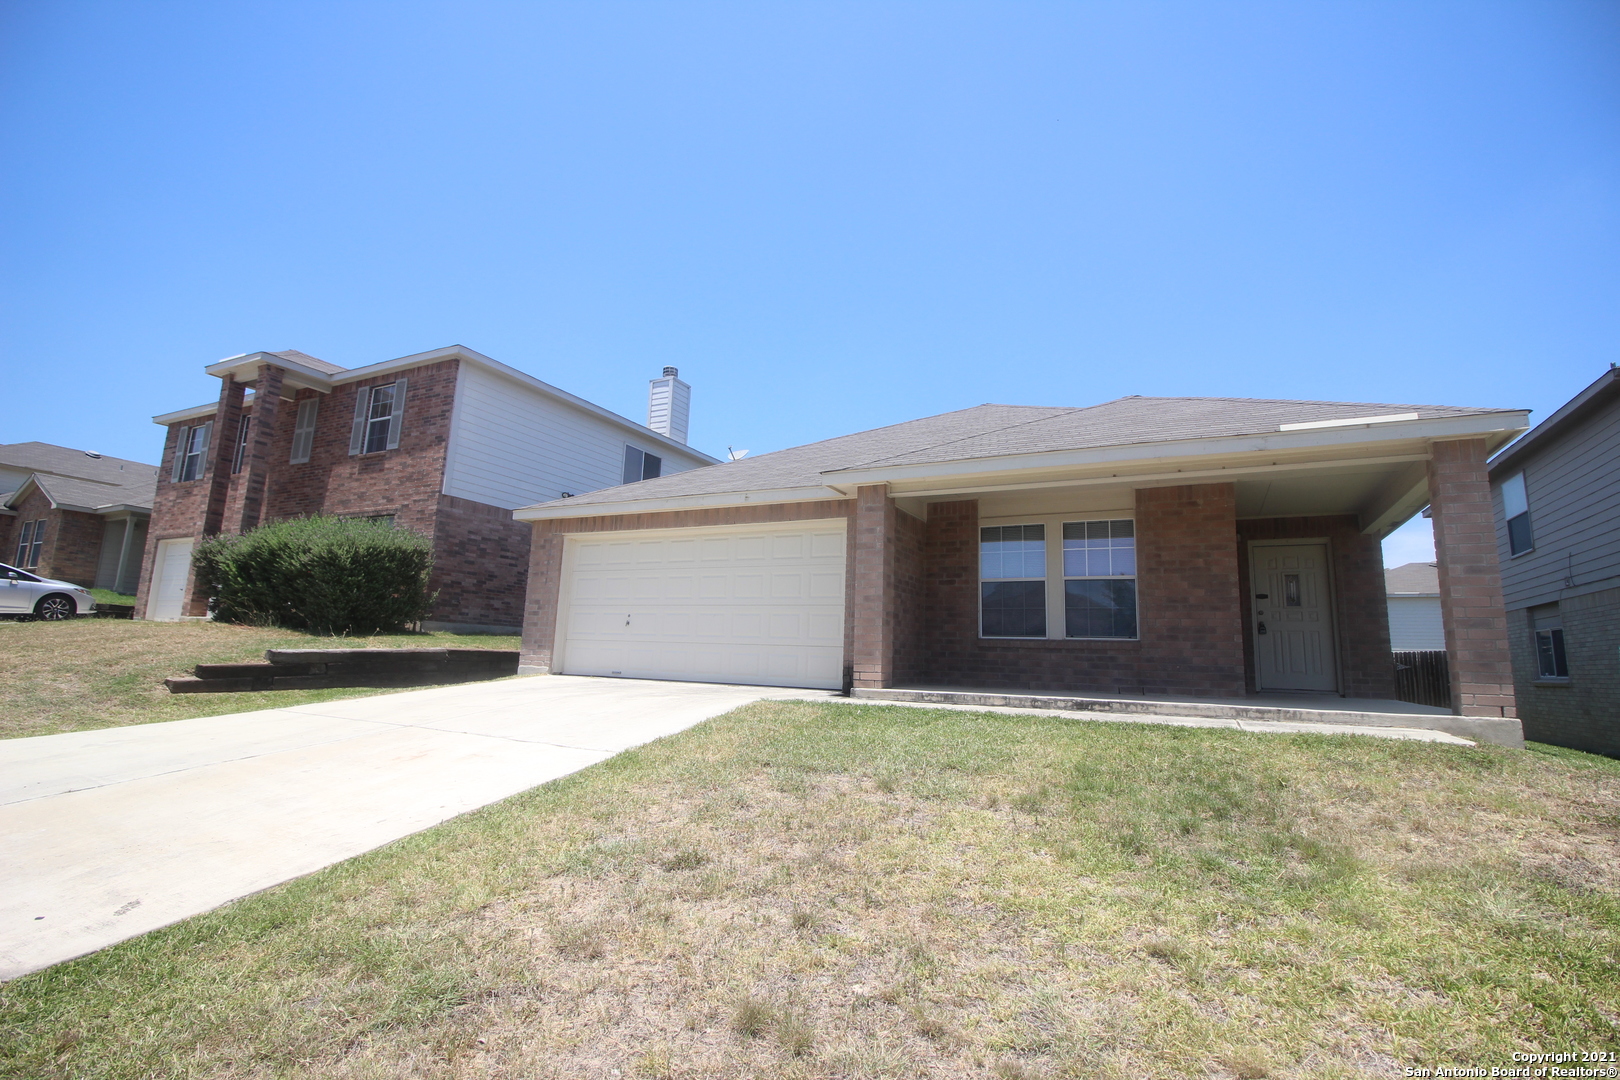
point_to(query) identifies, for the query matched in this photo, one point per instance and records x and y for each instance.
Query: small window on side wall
(189, 450)
(1516, 509)
(640, 465)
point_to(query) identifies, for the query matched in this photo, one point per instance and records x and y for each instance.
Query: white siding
(1414, 623)
(512, 446)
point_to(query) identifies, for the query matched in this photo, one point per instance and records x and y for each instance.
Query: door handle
(1262, 629)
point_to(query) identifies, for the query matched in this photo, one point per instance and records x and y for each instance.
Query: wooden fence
(1423, 678)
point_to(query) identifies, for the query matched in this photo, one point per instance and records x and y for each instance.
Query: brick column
(540, 601)
(216, 479)
(871, 592)
(1470, 580)
(255, 473)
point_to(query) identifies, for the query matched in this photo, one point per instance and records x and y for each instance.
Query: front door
(170, 569)
(1293, 618)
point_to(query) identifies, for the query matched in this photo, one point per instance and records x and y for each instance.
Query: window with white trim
(1516, 509)
(1099, 578)
(640, 465)
(378, 415)
(242, 434)
(1547, 629)
(1058, 579)
(29, 542)
(304, 431)
(1012, 581)
(189, 449)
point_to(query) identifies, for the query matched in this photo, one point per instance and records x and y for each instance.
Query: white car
(22, 593)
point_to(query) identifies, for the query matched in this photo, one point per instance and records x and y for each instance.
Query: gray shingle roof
(74, 477)
(1413, 579)
(987, 431)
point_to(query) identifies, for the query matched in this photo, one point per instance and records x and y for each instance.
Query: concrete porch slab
(1313, 713)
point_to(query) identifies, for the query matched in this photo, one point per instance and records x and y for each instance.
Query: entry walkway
(108, 834)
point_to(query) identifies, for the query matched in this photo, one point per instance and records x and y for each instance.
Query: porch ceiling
(1381, 490)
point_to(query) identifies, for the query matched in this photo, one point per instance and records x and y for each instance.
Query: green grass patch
(838, 890)
(94, 673)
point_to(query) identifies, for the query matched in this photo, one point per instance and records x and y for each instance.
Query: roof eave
(1595, 395)
(570, 508)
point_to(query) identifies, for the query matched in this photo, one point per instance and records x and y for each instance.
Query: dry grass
(835, 890)
(96, 673)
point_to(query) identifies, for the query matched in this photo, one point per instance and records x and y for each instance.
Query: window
(189, 449)
(1516, 509)
(304, 431)
(640, 465)
(1012, 581)
(29, 542)
(1547, 626)
(378, 413)
(1550, 654)
(241, 444)
(1099, 579)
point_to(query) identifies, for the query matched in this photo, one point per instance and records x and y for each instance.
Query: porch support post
(1470, 580)
(256, 456)
(540, 604)
(872, 587)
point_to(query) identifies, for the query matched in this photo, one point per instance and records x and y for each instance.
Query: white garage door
(759, 605)
(170, 569)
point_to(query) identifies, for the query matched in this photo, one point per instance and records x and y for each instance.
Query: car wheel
(55, 608)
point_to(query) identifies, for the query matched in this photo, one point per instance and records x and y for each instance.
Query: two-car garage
(758, 605)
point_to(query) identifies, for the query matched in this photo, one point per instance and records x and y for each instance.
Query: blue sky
(829, 216)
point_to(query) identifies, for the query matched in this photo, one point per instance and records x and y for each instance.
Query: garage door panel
(763, 608)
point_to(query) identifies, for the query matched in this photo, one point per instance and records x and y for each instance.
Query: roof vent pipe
(669, 404)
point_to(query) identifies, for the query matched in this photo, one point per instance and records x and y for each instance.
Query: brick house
(74, 515)
(444, 443)
(1557, 508)
(1203, 547)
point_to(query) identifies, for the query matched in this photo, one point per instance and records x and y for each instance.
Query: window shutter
(394, 421)
(180, 454)
(202, 447)
(362, 405)
(304, 430)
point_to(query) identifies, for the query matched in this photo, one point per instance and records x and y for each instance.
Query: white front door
(1293, 617)
(761, 605)
(170, 568)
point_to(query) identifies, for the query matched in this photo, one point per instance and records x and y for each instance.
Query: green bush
(325, 575)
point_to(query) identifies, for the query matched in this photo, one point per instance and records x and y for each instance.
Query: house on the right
(1556, 493)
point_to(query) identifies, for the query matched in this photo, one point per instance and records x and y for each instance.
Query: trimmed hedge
(326, 575)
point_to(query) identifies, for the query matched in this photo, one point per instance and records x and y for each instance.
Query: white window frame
(244, 431)
(1045, 579)
(304, 431)
(1065, 577)
(1516, 506)
(31, 539)
(1056, 603)
(366, 423)
(191, 449)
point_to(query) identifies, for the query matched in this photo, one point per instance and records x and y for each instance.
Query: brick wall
(546, 551)
(1187, 592)
(1360, 606)
(1470, 580)
(885, 593)
(480, 565)
(72, 544)
(192, 508)
(1584, 712)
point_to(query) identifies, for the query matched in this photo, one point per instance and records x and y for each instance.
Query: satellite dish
(736, 455)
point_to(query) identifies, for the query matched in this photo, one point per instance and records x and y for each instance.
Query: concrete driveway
(108, 834)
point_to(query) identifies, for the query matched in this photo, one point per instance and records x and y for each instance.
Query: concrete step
(1494, 730)
(321, 669)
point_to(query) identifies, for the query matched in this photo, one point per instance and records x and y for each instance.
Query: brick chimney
(669, 403)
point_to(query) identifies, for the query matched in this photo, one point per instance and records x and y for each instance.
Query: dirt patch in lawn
(95, 673)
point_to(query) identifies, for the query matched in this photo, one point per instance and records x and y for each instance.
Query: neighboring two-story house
(1557, 500)
(74, 515)
(445, 443)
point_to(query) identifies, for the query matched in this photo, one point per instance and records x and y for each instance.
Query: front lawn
(94, 673)
(842, 890)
